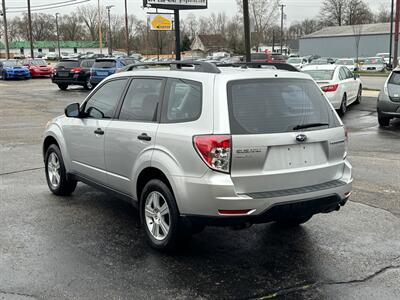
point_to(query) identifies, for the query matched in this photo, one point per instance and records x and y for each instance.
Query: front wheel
(160, 216)
(88, 85)
(359, 96)
(56, 175)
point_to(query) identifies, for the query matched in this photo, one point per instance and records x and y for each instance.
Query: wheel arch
(148, 174)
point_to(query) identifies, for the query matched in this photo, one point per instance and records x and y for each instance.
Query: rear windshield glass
(294, 61)
(12, 63)
(373, 61)
(68, 64)
(320, 74)
(258, 56)
(38, 62)
(395, 78)
(277, 105)
(345, 62)
(104, 64)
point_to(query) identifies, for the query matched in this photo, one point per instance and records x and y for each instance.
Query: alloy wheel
(157, 215)
(53, 170)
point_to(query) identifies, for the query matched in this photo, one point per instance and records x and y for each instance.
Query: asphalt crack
(310, 286)
(3, 292)
(21, 171)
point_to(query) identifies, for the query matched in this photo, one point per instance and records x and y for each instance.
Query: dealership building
(340, 41)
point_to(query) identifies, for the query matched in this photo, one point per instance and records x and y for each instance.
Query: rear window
(345, 62)
(68, 64)
(395, 78)
(373, 61)
(318, 75)
(104, 64)
(258, 56)
(265, 106)
(294, 61)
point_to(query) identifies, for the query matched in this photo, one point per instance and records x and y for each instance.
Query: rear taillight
(330, 88)
(76, 70)
(215, 150)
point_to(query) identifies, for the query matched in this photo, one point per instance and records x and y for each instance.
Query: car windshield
(373, 61)
(68, 64)
(38, 62)
(345, 62)
(12, 64)
(262, 106)
(104, 64)
(294, 61)
(320, 74)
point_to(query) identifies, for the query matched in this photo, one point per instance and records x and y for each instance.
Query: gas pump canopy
(176, 4)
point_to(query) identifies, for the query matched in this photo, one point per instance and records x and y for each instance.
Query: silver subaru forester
(199, 145)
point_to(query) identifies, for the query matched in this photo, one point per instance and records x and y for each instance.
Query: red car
(38, 67)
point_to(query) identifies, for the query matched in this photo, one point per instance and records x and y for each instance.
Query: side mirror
(73, 110)
(356, 76)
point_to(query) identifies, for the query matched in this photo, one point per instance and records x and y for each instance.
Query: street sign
(162, 22)
(176, 4)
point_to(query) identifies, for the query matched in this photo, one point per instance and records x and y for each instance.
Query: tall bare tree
(358, 12)
(332, 12)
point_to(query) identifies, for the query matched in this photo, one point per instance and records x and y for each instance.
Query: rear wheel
(293, 221)
(359, 95)
(88, 86)
(160, 216)
(383, 121)
(62, 86)
(343, 106)
(56, 175)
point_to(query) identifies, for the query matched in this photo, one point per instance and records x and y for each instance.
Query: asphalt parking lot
(88, 246)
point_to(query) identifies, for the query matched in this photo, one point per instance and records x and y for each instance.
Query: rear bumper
(96, 79)
(205, 196)
(69, 81)
(388, 108)
(39, 73)
(334, 98)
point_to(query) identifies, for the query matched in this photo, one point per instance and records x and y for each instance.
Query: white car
(298, 62)
(350, 63)
(339, 84)
(373, 64)
(385, 57)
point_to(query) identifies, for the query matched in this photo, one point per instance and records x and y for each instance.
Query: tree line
(82, 24)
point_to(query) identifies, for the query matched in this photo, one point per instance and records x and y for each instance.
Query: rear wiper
(309, 125)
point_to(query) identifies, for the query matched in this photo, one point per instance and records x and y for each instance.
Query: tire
(359, 96)
(293, 221)
(343, 106)
(56, 175)
(160, 216)
(383, 121)
(88, 86)
(62, 86)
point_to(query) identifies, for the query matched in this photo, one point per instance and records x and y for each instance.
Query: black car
(73, 72)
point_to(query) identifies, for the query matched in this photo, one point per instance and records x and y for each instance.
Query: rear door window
(142, 100)
(265, 106)
(105, 64)
(183, 101)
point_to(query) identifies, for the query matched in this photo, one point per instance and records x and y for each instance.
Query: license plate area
(295, 156)
(63, 74)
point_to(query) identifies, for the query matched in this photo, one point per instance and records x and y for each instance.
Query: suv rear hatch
(285, 136)
(104, 67)
(66, 69)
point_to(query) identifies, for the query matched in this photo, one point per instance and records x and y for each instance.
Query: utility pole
(246, 21)
(99, 21)
(391, 35)
(282, 16)
(30, 28)
(58, 37)
(177, 35)
(158, 41)
(126, 28)
(109, 30)
(5, 29)
(396, 35)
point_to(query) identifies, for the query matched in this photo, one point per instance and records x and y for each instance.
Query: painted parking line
(3, 84)
(370, 93)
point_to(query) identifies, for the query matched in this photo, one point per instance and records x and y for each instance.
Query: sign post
(176, 6)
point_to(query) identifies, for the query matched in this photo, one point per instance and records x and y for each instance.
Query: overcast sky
(296, 10)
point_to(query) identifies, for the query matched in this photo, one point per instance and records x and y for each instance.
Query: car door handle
(144, 137)
(99, 131)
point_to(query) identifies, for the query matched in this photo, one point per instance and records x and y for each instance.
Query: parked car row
(87, 72)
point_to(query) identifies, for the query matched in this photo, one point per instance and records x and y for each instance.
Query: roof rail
(259, 65)
(199, 66)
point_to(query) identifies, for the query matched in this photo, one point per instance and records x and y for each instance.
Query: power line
(51, 7)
